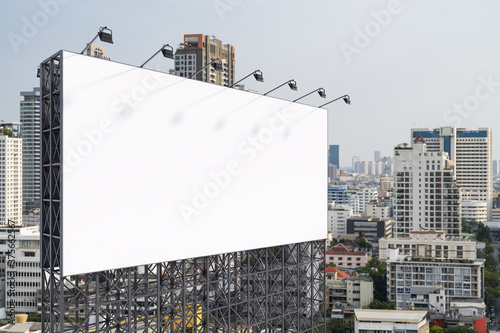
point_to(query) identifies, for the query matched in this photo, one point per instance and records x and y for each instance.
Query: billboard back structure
(158, 168)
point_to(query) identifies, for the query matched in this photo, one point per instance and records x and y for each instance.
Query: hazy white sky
(404, 63)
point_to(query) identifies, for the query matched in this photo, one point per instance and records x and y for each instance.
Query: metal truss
(275, 289)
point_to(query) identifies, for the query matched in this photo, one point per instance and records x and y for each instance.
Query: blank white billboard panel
(160, 168)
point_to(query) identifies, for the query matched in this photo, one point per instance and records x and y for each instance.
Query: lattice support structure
(276, 289)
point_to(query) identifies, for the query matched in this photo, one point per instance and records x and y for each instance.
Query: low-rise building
(343, 258)
(390, 321)
(345, 290)
(372, 228)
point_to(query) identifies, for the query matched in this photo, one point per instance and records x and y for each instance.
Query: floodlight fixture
(256, 74)
(216, 64)
(105, 35)
(320, 91)
(166, 50)
(346, 99)
(291, 83)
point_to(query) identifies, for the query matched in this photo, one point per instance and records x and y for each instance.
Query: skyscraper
(471, 153)
(197, 51)
(426, 197)
(376, 155)
(11, 173)
(355, 160)
(333, 155)
(30, 132)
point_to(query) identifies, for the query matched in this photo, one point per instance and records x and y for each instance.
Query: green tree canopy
(460, 329)
(387, 305)
(436, 329)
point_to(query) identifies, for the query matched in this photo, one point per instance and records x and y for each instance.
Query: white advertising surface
(158, 168)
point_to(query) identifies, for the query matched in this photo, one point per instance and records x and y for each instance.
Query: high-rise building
(366, 196)
(332, 171)
(494, 171)
(197, 51)
(426, 196)
(11, 176)
(97, 51)
(474, 211)
(333, 155)
(386, 183)
(340, 196)
(471, 153)
(376, 156)
(355, 159)
(30, 132)
(337, 219)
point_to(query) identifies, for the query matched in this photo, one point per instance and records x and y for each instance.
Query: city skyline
(394, 72)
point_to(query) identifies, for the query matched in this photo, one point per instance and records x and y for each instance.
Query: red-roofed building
(333, 272)
(343, 258)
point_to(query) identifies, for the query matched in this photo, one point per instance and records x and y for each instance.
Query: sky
(405, 64)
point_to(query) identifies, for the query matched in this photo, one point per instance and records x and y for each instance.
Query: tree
(334, 325)
(362, 243)
(6, 131)
(460, 329)
(387, 305)
(483, 233)
(466, 227)
(436, 329)
(378, 272)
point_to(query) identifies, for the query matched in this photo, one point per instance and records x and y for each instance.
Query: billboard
(159, 168)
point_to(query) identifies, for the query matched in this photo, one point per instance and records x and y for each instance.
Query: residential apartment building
(471, 153)
(337, 219)
(435, 244)
(341, 196)
(23, 269)
(426, 196)
(433, 271)
(350, 290)
(390, 321)
(475, 211)
(332, 172)
(197, 51)
(366, 196)
(345, 259)
(380, 211)
(30, 132)
(97, 51)
(371, 228)
(11, 177)
(386, 183)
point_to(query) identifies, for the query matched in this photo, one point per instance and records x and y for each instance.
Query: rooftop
(340, 274)
(390, 315)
